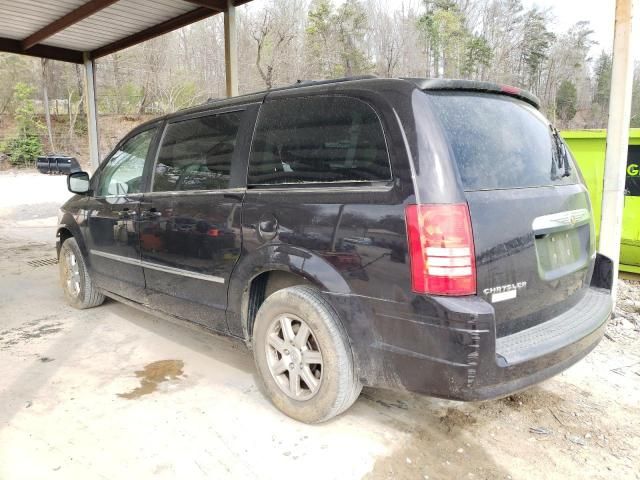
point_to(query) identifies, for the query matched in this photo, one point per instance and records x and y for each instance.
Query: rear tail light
(441, 249)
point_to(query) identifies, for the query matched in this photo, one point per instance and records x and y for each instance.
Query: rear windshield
(500, 142)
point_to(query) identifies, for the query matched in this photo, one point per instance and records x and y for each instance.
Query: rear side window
(499, 142)
(196, 154)
(318, 140)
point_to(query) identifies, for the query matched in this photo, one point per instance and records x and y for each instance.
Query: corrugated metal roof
(62, 29)
(120, 20)
(19, 19)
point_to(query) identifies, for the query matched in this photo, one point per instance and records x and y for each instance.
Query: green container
(588, 148)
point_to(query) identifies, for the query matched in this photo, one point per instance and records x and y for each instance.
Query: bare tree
(270, 38)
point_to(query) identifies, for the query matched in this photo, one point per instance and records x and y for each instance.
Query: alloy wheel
(72, 274)
(294, 357)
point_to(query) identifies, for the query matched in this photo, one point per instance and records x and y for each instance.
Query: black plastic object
(602, 272)
(57, 165)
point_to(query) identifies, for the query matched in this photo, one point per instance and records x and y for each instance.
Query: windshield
(500, 142)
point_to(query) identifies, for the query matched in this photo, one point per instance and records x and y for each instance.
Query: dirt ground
(115, 393)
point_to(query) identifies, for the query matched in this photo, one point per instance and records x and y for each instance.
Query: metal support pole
(617, 137)
(231, 49)
(91, 109)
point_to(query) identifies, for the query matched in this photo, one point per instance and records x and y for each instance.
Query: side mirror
(78, 182)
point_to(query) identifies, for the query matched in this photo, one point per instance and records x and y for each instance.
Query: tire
(334, 385)
(77, 285)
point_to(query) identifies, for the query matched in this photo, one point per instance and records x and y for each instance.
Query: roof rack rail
(298, 84)
(304, 83)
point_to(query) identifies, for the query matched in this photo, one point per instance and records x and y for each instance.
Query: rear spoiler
(474, 86)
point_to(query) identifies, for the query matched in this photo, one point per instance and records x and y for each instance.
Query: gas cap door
(267, 227)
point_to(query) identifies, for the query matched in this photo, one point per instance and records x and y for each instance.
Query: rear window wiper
(560, 156)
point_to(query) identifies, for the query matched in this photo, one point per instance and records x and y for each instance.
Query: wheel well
(63, 235)
(264, 285)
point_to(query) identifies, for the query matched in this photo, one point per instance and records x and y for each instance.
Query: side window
(123, 172)
(196, 154)
(318, 139)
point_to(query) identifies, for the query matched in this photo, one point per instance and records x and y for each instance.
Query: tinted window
(499, 142)
(196, 154)
(318, 139)
(123, 172)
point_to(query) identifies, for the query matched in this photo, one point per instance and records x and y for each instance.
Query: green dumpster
(588, 148)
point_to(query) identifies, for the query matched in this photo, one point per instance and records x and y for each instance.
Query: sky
(599, 13)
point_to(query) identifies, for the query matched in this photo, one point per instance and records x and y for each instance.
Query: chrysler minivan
(433, 236)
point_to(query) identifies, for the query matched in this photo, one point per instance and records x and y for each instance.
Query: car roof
(368, 82)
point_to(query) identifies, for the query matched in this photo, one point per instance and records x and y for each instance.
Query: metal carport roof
(79, 31)
(65, 29)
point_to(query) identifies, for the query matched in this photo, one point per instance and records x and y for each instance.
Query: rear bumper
(447, 347)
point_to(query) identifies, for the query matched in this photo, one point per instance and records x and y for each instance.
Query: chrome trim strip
(133, 196)
(314, 187)
(561, 220)
(117, 258)
(184, 273)
(155, 266)
(187, 193)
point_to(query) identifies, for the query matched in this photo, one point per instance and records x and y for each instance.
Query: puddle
(153, 375)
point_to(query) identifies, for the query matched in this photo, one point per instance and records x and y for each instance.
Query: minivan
(432, 236)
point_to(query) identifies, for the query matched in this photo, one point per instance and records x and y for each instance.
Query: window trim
(242, 109)
(380, 186)
(338, 183)
(134, 133)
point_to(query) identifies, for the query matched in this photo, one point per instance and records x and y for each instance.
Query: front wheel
(303, 355)
(77, 285)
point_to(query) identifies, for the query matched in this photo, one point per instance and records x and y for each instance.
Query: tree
(452, 48)
(566, 101)
(336, 39)
(319, 37)
(26, 145)
(478, 54)
(351, 23)
(602, 73)
(536, 42)
(441, 25)
(271, 37)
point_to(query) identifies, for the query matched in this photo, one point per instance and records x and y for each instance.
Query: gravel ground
(625, 324)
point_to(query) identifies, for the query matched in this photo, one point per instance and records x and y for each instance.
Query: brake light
(441, 249)
(213, 232)
(510, 90)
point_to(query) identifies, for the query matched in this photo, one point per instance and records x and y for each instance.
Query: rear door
(113, 223)
(530, 213)
(190, 234)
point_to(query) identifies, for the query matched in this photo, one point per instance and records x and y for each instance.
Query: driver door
(113, 236)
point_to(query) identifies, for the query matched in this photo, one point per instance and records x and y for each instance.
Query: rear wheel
(74, 276)
(303, 356)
